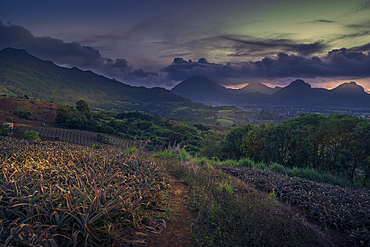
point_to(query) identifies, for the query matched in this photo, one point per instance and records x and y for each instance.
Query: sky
(160, 43)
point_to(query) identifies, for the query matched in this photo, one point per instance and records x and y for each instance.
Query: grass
(307, 173)
(179, 153)
(232, 213)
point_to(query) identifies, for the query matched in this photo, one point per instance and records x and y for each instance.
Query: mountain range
(297, 94)
(23, 74)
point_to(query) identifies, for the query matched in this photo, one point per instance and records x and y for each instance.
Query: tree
(233, 141)
(175, 138)
(82, 106)
(211, 145)
(63, 114)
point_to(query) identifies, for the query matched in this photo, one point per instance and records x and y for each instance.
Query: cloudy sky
(161, 42)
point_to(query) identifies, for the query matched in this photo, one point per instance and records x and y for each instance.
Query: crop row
(76, 136)
(60, 194)
(346, 209)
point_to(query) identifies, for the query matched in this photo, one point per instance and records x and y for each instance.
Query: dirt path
(178, 218)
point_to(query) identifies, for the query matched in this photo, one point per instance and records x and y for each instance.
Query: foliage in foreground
(58, 194)
(306, 173)
(345, 209)
(232, 213)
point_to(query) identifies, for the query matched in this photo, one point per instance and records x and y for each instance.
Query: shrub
(31, 135)
(245, 163)
(5, 131)
(23, 112)
(9, 119)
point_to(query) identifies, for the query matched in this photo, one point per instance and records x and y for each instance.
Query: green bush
(5, 130)
(245, 163)
(9, 119)
(23, 112)
(31, 135)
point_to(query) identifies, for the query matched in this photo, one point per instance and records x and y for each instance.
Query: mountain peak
(254, 87)
(10, 50)
(299, 84)
(349, 87)
(196, 87)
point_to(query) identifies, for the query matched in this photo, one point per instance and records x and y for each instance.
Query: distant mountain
(297, 94)
(255, 87)
(22, 73)
(350, 88)
(199, 88)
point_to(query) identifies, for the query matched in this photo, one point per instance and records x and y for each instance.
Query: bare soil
(179, 218)
(41, 110)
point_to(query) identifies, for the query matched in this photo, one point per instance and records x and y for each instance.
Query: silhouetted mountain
(255, 87)
(349, 88)
(199, 88)
(297, 94)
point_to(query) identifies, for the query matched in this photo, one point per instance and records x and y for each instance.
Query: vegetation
(31, 135)
(103, 139)
(23, 112)
(329, 206)
(9, 119)
(337, 144)
(58, 194)
(233, 213)
(5, 130)
(132, 126)
(306, 173)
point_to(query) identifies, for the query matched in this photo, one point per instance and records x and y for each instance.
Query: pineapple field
(81, 137)
(61, 194)
(344, 209)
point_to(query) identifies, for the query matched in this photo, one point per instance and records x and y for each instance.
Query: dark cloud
(181, 69)
(246, 44)
(336, 63)
(69, 54)
(364, 6)
(142, 74)
(179, 60)
(323, 21)
(12, 34)
(361, 48)
(202, 60)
